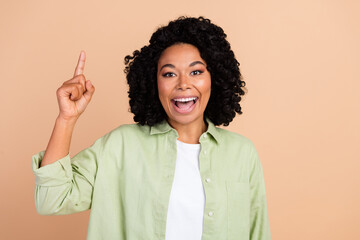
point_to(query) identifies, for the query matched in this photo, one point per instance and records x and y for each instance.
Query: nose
(183, 82)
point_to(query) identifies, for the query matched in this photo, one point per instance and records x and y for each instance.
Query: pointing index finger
(81, 64)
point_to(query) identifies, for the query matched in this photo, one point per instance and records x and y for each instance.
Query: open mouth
(184, 105)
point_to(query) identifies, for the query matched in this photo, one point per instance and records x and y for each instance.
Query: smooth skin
(183, 73)
(73, 97)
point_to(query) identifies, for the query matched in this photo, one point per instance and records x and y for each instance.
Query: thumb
(90, 89)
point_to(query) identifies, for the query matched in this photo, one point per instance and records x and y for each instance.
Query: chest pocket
(238, 202)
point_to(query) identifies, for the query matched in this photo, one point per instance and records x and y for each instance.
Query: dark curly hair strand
(226, 80)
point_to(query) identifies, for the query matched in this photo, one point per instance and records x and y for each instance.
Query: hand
(75, 94)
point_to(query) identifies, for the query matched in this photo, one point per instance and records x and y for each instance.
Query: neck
(191, 132)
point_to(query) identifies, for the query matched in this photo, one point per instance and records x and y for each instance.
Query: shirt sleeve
(259, 220)
(66, 186)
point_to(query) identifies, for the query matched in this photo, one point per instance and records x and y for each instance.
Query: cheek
(160, 87)
(163, 90)
(206, 87)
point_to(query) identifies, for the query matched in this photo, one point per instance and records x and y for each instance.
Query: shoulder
(235, 140)
(133, 128)
(127, 131)
(239, 147)
(230, 136)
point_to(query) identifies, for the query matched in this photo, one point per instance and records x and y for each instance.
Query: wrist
(66, 121)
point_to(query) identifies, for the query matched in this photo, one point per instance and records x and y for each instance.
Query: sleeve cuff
(53, 174)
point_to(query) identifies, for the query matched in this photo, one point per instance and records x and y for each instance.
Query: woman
(174, 174)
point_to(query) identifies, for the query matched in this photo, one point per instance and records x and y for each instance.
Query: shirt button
(205, 136)
(207, 180)
(205, 152)
(211, 213)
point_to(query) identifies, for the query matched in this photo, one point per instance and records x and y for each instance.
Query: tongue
(184, 105)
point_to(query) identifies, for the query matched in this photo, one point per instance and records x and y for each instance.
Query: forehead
(180, 53)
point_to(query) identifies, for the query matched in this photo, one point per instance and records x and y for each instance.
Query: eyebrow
(190, 65)
(196, 62)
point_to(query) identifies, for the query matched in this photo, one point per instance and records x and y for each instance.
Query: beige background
(300, 60)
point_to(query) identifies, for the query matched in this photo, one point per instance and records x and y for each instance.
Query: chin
(184, 120)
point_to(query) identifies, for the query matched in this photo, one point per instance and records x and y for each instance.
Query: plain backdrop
(300, 61)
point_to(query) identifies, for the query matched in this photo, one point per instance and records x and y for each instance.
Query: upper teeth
(184, 99)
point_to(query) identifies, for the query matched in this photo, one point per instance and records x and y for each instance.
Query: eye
(168, 74)
(196, 72)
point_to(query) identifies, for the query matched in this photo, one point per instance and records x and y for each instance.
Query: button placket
(208, 182)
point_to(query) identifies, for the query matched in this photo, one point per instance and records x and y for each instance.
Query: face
(184, 84)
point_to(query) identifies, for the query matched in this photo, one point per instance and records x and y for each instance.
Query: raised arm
(73, 97)
(64, 185)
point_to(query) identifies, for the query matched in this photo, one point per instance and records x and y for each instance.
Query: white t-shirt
(187, 197)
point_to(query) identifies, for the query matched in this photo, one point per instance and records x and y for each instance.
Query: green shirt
(126, 176)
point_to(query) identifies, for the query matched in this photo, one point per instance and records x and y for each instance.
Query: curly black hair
(210, 40)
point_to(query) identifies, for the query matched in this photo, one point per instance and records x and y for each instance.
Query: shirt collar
(161, 127)
(164, 127)
(213, 130)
